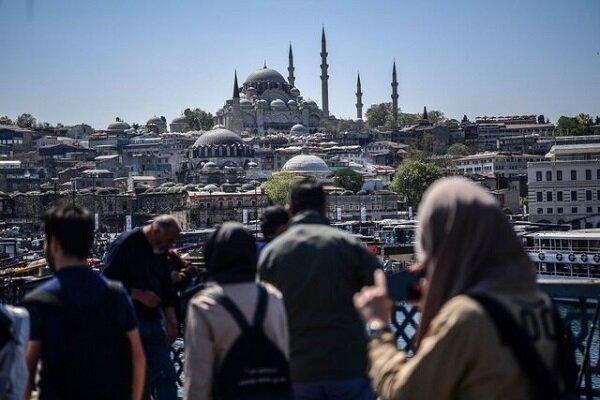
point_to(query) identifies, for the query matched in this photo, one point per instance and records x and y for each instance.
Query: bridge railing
(578, 303)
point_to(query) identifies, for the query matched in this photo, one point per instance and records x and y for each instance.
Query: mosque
(267, 101)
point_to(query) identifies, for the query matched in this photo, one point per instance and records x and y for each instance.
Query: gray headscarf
(466, 244)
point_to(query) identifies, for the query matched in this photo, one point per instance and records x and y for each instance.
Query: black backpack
(254, 367)
(96, 360)
(545, 385)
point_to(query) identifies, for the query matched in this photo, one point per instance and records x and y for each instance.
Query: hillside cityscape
(210, 167)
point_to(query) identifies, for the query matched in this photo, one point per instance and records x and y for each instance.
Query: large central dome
(218, 137)
(265, 75)
(305, 163)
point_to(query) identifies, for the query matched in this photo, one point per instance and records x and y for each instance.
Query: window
(559, 196)
(588, 174)
(573, 175)
(574, 210)
(548, 175)
(540, 210)
(559, 210)
(588, 194)
(573, 195)
(588, 210)
(540, 197)
(548, 210)
(598, 174)
(548, 196)
(538, 176)
(559, 175)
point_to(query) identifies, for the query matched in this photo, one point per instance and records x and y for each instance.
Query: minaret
(394, 97)
(425, 116)
(291, 78)
(324, 76)
(236, 113)
(359, 104)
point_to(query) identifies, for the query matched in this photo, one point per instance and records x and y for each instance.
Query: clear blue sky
(88, 61)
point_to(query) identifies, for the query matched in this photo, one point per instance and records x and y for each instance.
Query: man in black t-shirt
(83, 327)
(138, 259)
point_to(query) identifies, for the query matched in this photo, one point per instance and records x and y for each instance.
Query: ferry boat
(573, 253)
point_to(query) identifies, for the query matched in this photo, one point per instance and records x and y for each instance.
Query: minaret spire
(359, 104)
(394, 97)
(324, 76)
(425, 116)
(234, 120)
(291, 78)
(236, 88)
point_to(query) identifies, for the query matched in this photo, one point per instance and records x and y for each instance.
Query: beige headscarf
(466, 244)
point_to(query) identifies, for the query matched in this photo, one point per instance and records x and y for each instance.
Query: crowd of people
(303, 314)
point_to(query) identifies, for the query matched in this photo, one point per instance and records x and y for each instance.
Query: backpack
(14, 334)
(254, 367)
(96, 360)
(546, 386)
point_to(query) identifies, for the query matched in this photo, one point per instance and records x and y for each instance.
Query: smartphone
(404, 285)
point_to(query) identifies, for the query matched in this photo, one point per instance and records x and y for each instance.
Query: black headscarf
(230, 254)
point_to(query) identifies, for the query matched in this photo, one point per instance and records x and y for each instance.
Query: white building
(565, 191)
(496, 164)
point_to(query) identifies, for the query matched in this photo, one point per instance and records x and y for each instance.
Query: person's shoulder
(462, 309)
(205, 299)
(272, 291)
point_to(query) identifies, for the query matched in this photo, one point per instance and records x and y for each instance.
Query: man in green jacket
(318, 269)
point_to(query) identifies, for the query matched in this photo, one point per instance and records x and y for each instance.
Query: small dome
(220, 112)
(119, 126)
(298, 129)
(155, 121)
(218, 136)
(306, 164)
(245, 103)
(266, 75)
(252, 164)
(209, 165)
(295, 92)
(292, 103)
(210, 188)
(251, 91)
(310, 103)
(278, 104)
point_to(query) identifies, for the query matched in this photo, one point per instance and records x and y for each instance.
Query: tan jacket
(210, 332)
(461, 357)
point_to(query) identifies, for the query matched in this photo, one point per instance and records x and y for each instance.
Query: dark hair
(230, 254)
(73, 226)
(272, 218)
(307, 194)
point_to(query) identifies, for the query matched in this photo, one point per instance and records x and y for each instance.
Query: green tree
(198, 119)
(574, 126)
(343, 125)
(379, 114)
(26, 121)
(458, 150)
(412, 178)
(348, 179)
(278, 187)
(5, 120)
(436, 116)
(406, 119)
(325, 126)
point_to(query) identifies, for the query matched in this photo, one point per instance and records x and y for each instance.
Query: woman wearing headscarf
(211, 329)
(465, 246)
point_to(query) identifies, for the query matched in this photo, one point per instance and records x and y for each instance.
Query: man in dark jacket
(318, 269)
(138, 259)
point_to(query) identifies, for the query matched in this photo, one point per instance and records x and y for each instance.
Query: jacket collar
(309, 217)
